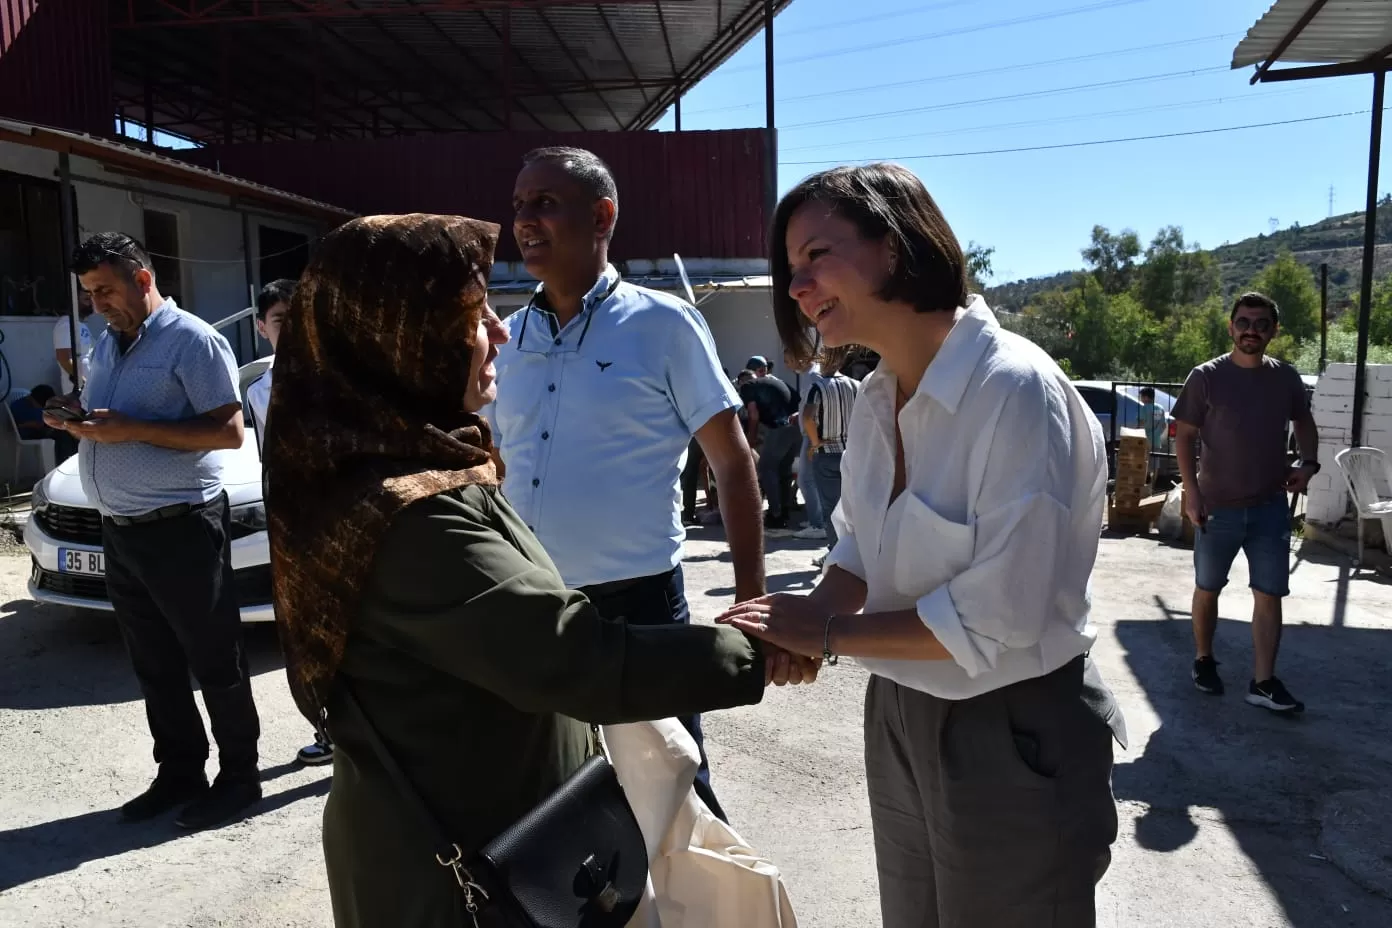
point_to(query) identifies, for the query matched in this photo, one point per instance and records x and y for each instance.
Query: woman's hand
(782, 668)
(783, 620)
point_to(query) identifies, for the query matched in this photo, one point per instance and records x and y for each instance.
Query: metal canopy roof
(251, 70)
(1336, 32)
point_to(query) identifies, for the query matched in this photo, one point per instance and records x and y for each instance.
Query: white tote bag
(701, 873)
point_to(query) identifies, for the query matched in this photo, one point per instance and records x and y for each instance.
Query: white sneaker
(811, 533)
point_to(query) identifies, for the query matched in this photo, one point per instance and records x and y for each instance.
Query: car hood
(242, 479)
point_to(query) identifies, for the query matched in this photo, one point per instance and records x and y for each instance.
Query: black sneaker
(164, 794)
(1205, 674)
(1272, 694)
(221, 803)
(316, 754)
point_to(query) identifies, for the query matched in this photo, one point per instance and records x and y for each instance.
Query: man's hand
(54, 422)
(1299, 479)
(106, 427)
(1195, 507)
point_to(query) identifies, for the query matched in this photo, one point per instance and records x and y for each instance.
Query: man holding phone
(1238, 408)
(164, 407)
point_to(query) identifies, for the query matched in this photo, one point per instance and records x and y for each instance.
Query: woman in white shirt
(974, 480)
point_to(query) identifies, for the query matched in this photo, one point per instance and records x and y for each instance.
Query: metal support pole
(1324, 317)
(507, 68)
(1365, 290)
(149, 108)
(678, 109)
(67, 220)
(251, 286)
(771, 138)
(225, 63)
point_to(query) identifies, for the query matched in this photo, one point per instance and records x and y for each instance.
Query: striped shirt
(831, 402)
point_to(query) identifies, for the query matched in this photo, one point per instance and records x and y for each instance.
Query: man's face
(269, 326)
(84, 303)
(1252, 328)
(118, 297)
(559, 226)
(1147, 398)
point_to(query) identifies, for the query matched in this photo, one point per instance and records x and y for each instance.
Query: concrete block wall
(1333, 409)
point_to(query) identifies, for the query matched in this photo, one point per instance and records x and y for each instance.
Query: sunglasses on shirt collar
(556, 340)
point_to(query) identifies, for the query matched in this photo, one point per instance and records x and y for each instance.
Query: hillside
(1337, 241)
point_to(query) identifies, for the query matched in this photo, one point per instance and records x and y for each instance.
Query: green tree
(1292, 286)
(1112, 258)
(978, 265)
(1379, 316)
(1175, 274)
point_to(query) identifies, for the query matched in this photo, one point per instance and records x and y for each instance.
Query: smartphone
(68, 413)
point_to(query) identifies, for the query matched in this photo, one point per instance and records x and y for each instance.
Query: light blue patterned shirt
(593, 422)
(179, 367)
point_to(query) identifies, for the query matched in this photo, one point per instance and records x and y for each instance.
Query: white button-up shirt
(593, 422)
(994, 537)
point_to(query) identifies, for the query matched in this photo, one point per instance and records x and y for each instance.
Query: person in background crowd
(1238, 408)
(771, 406)
(974, 481)
(691, 473)
(815, 529)
(825, 421)
(62, 341)
(1154, 421)
(272, 308)
(165, 405)
(601, 387)
(28, 412)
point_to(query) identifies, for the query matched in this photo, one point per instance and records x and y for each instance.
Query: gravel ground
(1229, 816)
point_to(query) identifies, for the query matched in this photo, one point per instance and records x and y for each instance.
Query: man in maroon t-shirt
(1238, 407)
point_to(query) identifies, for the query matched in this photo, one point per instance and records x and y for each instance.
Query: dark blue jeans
(657, 600)
(826, 465)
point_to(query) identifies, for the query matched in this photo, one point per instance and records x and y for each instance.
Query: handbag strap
(448, 854)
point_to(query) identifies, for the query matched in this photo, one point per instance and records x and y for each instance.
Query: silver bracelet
(827, 656)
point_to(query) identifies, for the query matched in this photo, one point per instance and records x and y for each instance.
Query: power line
(962, 75)
(1050, 120)
(877, 18)
(1029, 94)
(1133, 138)
(948, 33)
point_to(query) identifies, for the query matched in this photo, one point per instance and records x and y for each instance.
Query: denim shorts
(1262, 532)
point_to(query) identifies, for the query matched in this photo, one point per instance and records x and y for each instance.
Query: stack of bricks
(1131, 509)
(1333, 408)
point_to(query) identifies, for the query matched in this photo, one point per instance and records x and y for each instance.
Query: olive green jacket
(474, 662)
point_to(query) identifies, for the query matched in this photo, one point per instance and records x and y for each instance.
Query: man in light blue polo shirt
(600, 388)
(165, 411)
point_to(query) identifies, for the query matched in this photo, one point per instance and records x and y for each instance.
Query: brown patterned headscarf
(368, 410)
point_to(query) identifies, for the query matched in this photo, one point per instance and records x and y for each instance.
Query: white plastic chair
(45, 446)
(1363, 469)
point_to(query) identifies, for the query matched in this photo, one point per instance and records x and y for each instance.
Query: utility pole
(1331, 201)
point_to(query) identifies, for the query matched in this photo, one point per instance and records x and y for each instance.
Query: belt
(157, 515)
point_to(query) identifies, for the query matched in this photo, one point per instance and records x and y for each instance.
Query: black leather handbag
(577, 860)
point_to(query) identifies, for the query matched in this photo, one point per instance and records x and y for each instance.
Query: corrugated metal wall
(55, 64)
(697, 193)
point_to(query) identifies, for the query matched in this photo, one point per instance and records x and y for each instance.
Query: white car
(63, 533)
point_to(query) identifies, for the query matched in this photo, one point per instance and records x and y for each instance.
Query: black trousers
(656, 600)
(691, 477)
(171, 584)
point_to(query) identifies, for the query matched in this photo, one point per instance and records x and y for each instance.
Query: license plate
(86, 563)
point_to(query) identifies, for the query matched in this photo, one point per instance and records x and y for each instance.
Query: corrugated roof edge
(157, 167)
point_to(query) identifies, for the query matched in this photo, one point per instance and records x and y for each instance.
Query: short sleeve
(1300, 400)
(695, 381)
(814, 398)
(208, 372)
(62, 334)
(1192, 406)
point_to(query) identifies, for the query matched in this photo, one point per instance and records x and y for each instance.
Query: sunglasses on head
(1260, 326)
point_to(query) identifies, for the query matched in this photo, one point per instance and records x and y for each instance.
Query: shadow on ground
(49, 848)
(53, 657)
(1268, 776)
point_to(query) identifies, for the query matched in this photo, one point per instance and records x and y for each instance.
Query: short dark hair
(1148, 391)
(1257, 301)
(277, 291)
(585, 167)
(114, 248)
(43, 393)
(883, 201)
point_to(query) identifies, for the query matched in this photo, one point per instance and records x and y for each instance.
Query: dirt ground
(1229, 816)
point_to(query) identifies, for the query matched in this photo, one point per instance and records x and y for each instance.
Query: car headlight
(38, 499)
(248, 520)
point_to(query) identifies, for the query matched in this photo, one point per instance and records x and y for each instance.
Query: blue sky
(1038, 208)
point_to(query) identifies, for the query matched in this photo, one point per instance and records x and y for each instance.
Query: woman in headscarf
(401, 571)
